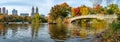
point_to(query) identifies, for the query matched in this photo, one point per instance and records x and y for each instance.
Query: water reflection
(3, 30)
(58, 32)
(35, 29)
(49, 32)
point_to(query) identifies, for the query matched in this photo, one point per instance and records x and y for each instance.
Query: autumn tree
(72, 12)
(99, 9)
(59, 11)
(84, 10)
(1, 17)
(75, 11)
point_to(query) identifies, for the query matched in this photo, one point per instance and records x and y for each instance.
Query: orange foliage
(98, 9)
(1, 16)
(76, 11)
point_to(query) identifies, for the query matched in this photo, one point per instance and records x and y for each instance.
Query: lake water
(47, 33)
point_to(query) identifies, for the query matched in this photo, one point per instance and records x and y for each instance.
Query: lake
(48, 32)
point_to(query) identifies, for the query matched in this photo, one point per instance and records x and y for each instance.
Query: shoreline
(19, 23)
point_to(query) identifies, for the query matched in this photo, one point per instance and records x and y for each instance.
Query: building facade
(34, 11)
(14, 12)
(3, 11)
(6, 12)
(0, 10)
(37, 10)
(24, 14)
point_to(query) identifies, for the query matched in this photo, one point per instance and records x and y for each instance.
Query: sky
(24, 6)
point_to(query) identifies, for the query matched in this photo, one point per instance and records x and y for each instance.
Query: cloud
(24, 6)
(15, 4)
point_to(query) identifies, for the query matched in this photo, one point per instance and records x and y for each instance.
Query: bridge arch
(104, 17)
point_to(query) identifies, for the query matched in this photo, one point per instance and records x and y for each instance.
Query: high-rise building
(6, 12)
(37, 10)
(14, 12)
(0, 10)
(3, 10)
(34, 11)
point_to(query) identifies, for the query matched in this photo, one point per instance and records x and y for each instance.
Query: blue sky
(24, 6)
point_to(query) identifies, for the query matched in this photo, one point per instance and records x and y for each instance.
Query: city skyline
(24, 6)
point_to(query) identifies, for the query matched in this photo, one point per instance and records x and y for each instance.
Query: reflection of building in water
(14, 28)
(35, 28)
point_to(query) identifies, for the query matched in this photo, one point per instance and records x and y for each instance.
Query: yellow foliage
(59, 20)
(72, 12)
(84, 10)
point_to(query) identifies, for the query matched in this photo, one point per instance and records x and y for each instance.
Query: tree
(115, 26)
(92, 11)
(36, 19)
(98, 9)
(75, 12)
(84, 10)
(1, 18)
(61, 11)
(113, 8)
(72, 12)
(110, 11)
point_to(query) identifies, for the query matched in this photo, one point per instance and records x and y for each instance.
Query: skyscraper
(0, 10)
(6, 12)
(14, 12)
(37, 10)
(34, 11)
(3, 10)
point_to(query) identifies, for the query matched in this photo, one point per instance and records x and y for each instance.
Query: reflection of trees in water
(3, 30)
(35, 29)
(13, 27)
(91, 23)
(78, 32)
(58, 31)
(85, 27)
(18, 27)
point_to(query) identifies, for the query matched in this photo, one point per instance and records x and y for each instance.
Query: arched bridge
(109, 18)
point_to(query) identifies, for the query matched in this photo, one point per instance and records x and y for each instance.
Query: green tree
(115, 27)
(112, 8)
(36, 19)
